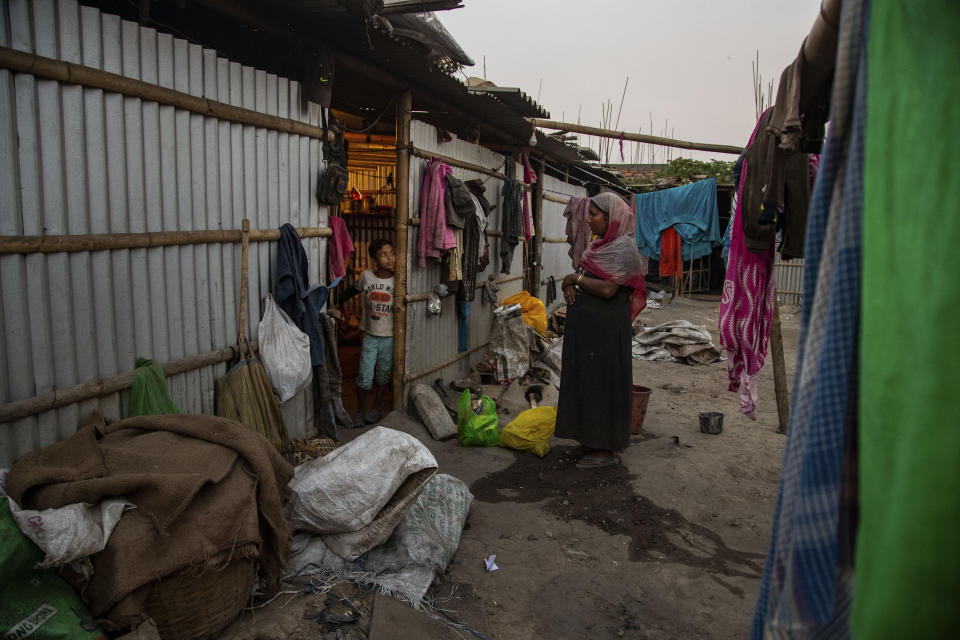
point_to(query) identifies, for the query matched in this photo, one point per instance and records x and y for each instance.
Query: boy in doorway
(376, 354)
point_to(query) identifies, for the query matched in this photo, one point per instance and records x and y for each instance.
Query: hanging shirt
(338, 249)
(377, 303)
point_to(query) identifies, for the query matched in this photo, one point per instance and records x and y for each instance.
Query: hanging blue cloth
(691, 209)
(463, 326)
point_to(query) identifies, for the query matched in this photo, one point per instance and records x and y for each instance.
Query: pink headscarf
(615, 256)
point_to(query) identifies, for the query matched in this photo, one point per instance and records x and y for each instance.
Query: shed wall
(433, 339)
(75, 160)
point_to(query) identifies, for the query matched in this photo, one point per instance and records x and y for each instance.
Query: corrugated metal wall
(75, 160)
(556, 260)
(788, 276)
(433, 339)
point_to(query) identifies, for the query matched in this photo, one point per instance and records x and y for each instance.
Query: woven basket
(196, 606)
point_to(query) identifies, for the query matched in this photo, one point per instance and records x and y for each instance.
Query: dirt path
(670, 544)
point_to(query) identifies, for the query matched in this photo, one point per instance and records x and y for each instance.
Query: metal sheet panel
(76, 160)
(433, 339)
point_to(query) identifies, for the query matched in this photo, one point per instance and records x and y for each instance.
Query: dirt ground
(668, 544)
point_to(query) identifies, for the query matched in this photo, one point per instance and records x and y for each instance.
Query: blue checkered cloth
(806, 588)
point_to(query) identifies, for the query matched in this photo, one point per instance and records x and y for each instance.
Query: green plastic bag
(36, 603)
(148, 395)
(531, 430)
(477, 430)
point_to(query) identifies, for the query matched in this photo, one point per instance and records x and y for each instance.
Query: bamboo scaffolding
(115, 241)
(636, 137)
(70, 73)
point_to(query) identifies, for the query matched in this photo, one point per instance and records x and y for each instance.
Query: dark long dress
(597, 371)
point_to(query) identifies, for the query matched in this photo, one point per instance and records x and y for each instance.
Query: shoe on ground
(372, 416)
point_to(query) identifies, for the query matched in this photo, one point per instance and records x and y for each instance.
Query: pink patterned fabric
(746, 307)
(339, 249)
(436, 237)
(615, 257)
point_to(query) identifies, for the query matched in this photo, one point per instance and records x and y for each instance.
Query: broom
(244, 394)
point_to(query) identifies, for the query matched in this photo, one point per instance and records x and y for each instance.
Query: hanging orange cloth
(671, 262)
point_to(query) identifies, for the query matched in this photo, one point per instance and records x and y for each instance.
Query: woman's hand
(570, 294)
(570, 280)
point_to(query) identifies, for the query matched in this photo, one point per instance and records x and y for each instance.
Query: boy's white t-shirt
(377, 303)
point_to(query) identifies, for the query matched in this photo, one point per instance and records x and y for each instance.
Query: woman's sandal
(596, 462)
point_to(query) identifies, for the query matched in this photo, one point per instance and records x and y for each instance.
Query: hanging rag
(473, 245)
(512, 218)
(463, 326)
(690, 209)
(529, 178)
(456, 201)
(806, 588)
(436, 237)
(551, 290)
(149, 395)
(746, 305)
(477, 188)
(671, 263)
(455, 258)
(614, 257)
(577, 230)
(339, 248)
(791, 129)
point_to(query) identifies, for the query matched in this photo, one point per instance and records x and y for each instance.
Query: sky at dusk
(689, 61)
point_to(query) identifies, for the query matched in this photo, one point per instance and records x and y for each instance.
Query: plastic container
(711, 422)
(641, 396)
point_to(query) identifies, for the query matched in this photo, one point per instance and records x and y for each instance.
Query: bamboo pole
(421, 297)
(444, 364)
(493, 233)
(114, 241)
(538, 229)
(453, 162)
(106, 386)
(244, 272)
(402, 212)
(70, 73)
(636, 137)
(779, 369)
(555, 239)
(550, 198)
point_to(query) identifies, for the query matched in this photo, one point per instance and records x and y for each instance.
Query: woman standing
(603, 297)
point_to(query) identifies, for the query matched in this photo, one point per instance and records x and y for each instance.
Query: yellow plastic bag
(531, 430)
(534, 313)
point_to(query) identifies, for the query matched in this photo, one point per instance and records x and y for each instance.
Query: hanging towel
(436, 236)
(338, 249)
(690, 209)
(806, 587)
(577, 230)
(149, 395)
(671, 263)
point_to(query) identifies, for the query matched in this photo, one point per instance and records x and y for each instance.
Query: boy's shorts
(376, 361)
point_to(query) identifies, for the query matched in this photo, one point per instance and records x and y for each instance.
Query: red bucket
(641, 396)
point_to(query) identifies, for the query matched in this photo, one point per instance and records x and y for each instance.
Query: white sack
(284, 351)
(419, 550)
(346, 489)
(71, 532)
